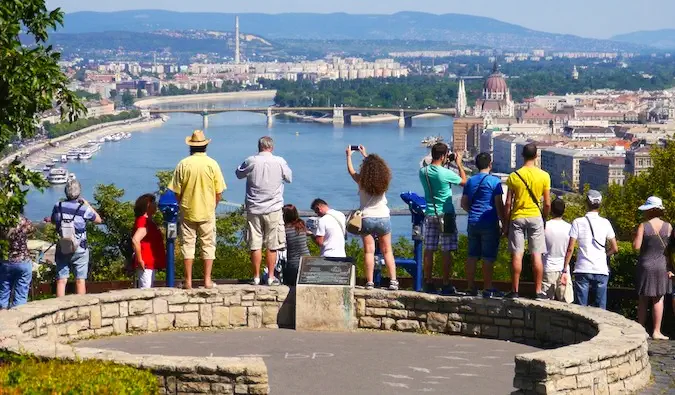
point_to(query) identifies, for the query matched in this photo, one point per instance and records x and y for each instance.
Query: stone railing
(45, 327)
(598, 352)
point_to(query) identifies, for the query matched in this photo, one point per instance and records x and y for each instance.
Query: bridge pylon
(338, 115)
(270, 117)
(401, 119)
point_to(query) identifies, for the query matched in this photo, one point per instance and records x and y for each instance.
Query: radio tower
(237, 53)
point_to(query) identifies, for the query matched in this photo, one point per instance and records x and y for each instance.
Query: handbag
(447, 223)
(564, 293)
(355, 222)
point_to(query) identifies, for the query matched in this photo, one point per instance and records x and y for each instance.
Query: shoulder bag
(609, 257)
(448, 221)
(534, 198)
(344, 232)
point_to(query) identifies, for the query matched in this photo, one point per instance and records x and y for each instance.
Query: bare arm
(319, 240)
(547, 203)
(459, 155)
(499, 205)
(465, 203)
(136, 243)
(613, 247)
(570, 251)
(637, 241)
(508, 206)
(286, 172)
(219, 197)
(350, 166)
(97, 218)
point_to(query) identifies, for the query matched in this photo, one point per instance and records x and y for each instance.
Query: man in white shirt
(330, 230)
(557, 239)
(597, 242)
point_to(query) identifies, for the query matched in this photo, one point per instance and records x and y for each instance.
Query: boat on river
(57, 176)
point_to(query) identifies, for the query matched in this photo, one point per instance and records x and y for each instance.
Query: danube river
(315, 153)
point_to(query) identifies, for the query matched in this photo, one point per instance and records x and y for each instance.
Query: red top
(152, 245)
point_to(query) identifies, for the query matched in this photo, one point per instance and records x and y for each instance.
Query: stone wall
(598, 352)
(43, 328)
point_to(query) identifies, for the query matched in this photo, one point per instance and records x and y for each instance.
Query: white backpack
(68, 242)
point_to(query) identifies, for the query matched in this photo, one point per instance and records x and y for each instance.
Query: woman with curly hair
(373, 180)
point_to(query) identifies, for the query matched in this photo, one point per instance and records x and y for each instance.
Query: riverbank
(39, 154)
(356, 119)
(206, 97)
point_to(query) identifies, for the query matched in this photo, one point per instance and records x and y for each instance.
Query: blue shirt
(441, 180)
(481, 190)
(82, 214)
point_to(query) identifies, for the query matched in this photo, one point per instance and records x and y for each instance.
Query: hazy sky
(589, 18)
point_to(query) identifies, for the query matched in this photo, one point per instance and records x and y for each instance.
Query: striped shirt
(296, 246)
(82, 213)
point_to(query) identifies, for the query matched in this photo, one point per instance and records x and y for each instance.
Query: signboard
(325, 271)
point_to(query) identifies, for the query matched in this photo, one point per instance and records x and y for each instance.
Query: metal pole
(170, 264)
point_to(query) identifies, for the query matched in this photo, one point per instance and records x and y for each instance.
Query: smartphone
(355, 147)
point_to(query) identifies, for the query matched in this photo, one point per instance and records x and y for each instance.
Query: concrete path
(357, 363)
(662, 358)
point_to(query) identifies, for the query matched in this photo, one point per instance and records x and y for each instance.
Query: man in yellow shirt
(525, 217)
(198, 184)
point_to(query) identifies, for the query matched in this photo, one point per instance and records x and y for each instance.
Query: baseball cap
(594, 196)
(652, 203)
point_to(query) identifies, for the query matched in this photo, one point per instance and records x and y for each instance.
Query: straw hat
(197, 139)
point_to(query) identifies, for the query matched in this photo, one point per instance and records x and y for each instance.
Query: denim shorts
(483, 242)
(79, 261)
(376, 226)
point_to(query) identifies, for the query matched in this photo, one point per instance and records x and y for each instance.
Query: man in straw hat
(198, 184)
(265, 175)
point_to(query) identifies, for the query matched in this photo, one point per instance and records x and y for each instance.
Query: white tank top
(373, 206)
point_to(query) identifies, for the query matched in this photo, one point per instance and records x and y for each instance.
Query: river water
(315, 153)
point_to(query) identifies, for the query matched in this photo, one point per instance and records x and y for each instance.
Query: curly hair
(374, 175)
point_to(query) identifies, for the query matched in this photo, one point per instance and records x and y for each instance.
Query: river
(315, 153)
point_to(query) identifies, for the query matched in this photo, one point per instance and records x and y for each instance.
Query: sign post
(168, 205)
(325, 295)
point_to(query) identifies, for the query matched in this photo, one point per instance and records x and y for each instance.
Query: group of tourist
(521, 217)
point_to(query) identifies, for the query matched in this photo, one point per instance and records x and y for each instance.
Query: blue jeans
(376, 226)
(17, 276)
(484, 242)
(584, 283)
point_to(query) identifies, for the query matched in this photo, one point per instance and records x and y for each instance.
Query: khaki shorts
(550, 283)
(266, 230)
(207, 234)
(533, 229)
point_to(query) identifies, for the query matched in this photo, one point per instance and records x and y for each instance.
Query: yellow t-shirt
(538, 181)
(197, 179)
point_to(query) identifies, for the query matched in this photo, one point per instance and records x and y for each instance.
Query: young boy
(557, 239)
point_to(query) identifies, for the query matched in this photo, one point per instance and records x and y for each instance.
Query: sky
(587, 18)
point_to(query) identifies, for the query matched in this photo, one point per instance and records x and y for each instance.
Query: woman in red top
(148, 242)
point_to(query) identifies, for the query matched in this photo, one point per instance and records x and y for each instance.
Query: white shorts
(145, 278)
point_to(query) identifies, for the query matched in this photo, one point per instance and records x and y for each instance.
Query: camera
(450, 159)
(312, 223)
(354, 147)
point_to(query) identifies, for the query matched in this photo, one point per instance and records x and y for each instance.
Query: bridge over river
(340, 115)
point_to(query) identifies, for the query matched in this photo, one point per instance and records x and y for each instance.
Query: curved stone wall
(45, 327)
(597, 351)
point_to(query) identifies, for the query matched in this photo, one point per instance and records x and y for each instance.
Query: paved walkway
(356, 363)
(662, 358)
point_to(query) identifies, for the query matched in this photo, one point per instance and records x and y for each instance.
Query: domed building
(496, 100)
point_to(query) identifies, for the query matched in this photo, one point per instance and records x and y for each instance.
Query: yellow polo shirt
(197, 179)
(523, 205)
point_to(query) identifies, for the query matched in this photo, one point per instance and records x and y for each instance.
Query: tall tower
(575, 73)
(237, 52)
(461, 99)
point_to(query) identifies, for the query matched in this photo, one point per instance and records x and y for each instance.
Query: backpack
(68, 242)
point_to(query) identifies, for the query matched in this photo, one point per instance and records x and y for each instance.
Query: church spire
(495, 67)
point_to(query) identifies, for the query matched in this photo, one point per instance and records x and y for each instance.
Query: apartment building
(598, 173)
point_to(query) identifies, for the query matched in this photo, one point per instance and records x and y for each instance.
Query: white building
(562, 164)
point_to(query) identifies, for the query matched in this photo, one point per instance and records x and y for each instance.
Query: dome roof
(495, 83)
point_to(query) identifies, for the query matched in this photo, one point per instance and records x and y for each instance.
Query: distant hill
(661, 39)
(454, 28)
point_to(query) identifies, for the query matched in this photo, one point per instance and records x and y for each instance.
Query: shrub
(29, 375)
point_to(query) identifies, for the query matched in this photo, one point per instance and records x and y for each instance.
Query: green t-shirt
(441, 180)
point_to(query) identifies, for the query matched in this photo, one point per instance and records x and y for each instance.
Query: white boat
(57, 176)
(127, 135)
(116, 137)
(49, 165)
(64, 159)
(73, 153)
(102, 140)
(87, 151)
(46, 168)
(54, 160)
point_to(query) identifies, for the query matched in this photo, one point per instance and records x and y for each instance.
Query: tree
(139, 92)
(127, 99)
(30, 82)
(113, 93)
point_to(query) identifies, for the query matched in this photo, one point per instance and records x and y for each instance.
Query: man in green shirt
(437, 182)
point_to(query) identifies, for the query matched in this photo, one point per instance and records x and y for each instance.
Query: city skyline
(596, 19)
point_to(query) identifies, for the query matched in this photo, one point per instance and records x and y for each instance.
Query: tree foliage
(30, 83)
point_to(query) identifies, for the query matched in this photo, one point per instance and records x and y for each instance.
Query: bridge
(340, 115)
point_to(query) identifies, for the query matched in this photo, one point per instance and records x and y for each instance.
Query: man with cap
(597, 243)
(198, 184)
(265, 175)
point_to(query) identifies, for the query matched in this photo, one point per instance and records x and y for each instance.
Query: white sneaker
(256, 281)
(273, 282)
(393, 285)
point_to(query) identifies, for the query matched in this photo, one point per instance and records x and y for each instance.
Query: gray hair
(73, 190)
(265, 144)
